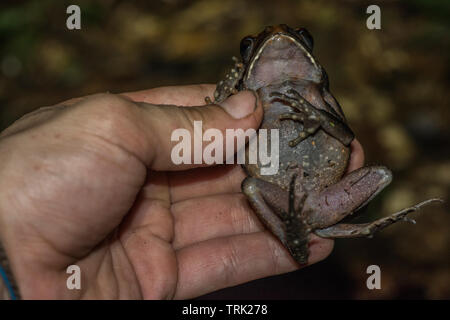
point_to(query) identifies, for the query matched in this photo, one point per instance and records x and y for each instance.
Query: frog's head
(277, 54)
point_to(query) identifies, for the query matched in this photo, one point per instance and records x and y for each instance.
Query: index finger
(189, 95)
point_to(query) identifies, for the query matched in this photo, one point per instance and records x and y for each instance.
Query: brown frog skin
(308, 194)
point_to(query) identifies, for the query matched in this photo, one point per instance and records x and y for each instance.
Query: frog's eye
(306, 37)
(246, 48)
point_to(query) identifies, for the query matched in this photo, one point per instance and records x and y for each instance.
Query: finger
(205, 218)
(157, 125)
(151, 209)
(145, 131)
(222, 262)
(32, 119)
(190, 95)
(146, 234)
(153, 262)
(208, 181)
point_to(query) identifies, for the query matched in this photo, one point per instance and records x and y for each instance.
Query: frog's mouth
(279, 58)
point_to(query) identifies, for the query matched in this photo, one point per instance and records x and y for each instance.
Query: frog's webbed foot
(312, 118)
(306, 113)
(347, 230)
(227, 87)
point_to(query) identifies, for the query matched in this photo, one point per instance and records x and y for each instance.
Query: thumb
(175, 134)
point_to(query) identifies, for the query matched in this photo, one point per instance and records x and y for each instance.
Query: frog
(311, 192)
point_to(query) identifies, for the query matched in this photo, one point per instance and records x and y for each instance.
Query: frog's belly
(320, 159)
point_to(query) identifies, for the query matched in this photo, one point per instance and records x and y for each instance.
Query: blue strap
(7, 284)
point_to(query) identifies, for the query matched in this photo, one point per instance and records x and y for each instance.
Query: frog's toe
(292, 116)
(276, 94)
(208, 100)
(310, 126)
(284, 98)
(301, 136)
(294, 93)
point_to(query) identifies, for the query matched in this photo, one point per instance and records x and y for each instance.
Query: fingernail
(241, 104)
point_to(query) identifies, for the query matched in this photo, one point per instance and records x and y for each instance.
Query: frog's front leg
(228, 86)
(313, 119)
(281, 215)
(310, 126)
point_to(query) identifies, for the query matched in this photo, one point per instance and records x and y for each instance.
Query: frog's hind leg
(342, 199)
(275, 207)
(330, 206)
(254, 189)
(296, 230)
(348, 230)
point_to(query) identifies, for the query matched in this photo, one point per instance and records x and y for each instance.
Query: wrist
(8, 287)
(4, 293)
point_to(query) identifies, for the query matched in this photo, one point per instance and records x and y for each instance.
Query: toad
(309, 193)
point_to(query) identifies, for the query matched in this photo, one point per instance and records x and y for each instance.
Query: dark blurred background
(393, 85)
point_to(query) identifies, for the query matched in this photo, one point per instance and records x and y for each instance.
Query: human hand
(90, 182)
